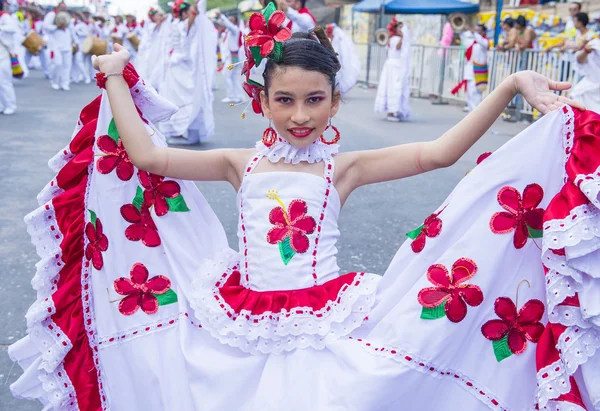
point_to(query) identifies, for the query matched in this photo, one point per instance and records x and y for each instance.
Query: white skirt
(440, 334)
(393, 91)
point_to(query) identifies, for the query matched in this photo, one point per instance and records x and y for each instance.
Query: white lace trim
(581, 224)
(478, 390)
(581, 339)
(317, 151)
(275, 333)
(52, 344)
(87, 300)
(561, 406)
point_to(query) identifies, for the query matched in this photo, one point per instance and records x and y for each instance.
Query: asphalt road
(373, 223)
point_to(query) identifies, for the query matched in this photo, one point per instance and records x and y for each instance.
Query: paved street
(373, 223)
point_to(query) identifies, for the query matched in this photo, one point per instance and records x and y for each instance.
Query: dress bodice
(287, 228)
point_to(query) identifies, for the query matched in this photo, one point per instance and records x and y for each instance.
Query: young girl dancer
(142, 305)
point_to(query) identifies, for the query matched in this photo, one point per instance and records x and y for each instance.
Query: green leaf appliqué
(93, 218)
(138, 200)
(112, 131)
(177, 204)
(415, 233)
(501, 350)
(433, 313)
(286, 250)
(533, 233)
(169, 297)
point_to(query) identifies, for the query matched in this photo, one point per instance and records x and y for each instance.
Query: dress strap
(329, 169)
(251, 165)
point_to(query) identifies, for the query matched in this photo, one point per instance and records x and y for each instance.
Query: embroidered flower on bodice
(291, 227)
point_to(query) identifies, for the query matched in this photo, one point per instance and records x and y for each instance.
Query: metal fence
(436, 70)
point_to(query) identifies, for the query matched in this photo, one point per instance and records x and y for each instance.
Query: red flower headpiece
(253, 90)
(392, 26)
(266, 36)
(152, 12)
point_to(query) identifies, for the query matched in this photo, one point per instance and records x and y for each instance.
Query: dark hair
(310, 51)
(509, 21)
(482, 27)
(183, 8)
(583, 18)
(303, 3)
(521, 21)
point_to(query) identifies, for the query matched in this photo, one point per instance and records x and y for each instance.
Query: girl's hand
(112, 63)
(538, 90)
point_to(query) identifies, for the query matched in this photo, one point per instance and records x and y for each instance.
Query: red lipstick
(301, 132)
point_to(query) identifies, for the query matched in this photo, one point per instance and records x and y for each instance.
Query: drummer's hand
(114, 62)
(539, 91)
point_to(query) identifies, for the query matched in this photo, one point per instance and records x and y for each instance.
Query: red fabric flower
(520, 327)
(432, 227)
(139, 290)
(116, 157)
(253, 92)
(248, 63)
(294, 224)
(97, 243)
(520, 213)
(483, 156)
(449, 288)
(156, 191)
(142, 227)
(264, 34)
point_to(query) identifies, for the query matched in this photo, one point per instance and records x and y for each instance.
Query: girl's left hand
(539, 91)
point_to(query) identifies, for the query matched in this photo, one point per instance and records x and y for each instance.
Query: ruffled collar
(317, 151)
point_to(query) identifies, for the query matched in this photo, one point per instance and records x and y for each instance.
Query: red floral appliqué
(521, 215)
(97, 243)
(293, 224)
(483, 156)
(449, 290)
(142, 227)
(140, 291)
(156, 190)
(116, 157)
(432, 227)
(516, 327)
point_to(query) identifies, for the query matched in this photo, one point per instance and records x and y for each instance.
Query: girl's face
(300, 103)
(399, 29)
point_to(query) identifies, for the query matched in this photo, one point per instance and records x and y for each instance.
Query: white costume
(393, 91)
(189, 76)
(587, 90)
(478, 56)
(349, 60)
(142, 305)
(81, 62)
(38, 27)
(232, 46)
(154, 52)
(8, 98)
(300, 20)
(133, 29)
(60, 46)
(117, 31)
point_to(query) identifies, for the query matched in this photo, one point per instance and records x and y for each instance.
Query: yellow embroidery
(274, 195)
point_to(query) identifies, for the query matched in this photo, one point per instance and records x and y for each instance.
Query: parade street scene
(299, 205)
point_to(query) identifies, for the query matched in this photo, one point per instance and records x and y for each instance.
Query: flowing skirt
(393, 92)
(491, 303)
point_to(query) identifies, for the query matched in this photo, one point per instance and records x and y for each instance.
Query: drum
(33, 43)
(116, 39)
(93, 46)
(134, 40)
(62, 19)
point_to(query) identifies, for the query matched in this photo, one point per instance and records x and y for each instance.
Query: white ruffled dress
(143, 306)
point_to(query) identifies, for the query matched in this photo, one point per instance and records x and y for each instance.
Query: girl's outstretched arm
(213, 165)
(374, 166)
